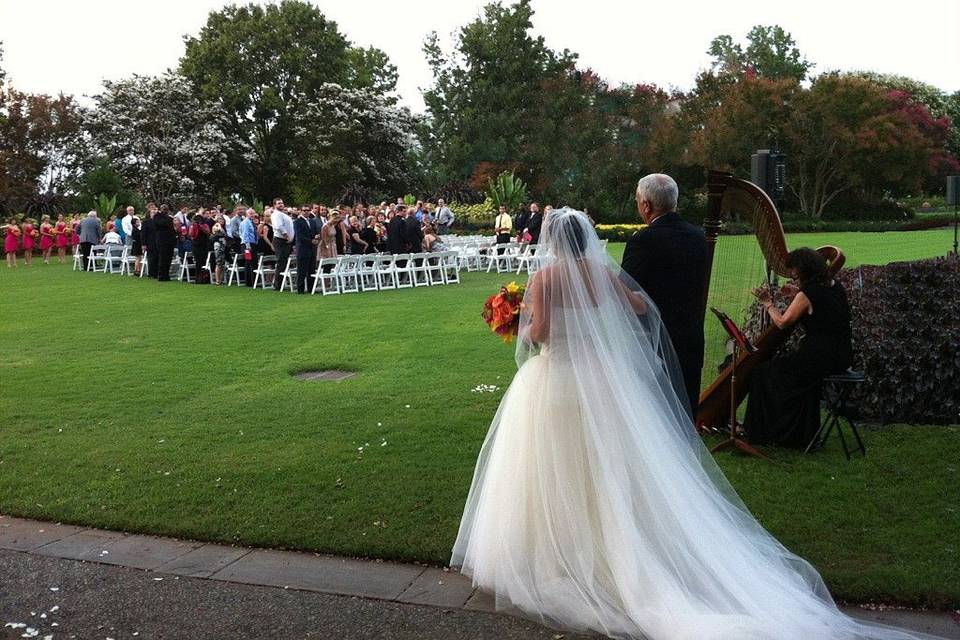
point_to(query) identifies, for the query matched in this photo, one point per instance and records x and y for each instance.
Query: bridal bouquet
(501, 311)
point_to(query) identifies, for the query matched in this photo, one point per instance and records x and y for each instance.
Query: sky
(71, 46)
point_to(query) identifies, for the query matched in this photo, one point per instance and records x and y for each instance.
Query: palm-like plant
(507, 190)
(105, 205)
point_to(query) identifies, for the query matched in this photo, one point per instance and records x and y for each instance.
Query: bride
(595, 505)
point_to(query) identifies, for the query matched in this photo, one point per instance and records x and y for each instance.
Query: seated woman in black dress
(784, 404)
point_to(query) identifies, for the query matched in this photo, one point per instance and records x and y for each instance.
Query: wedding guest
(166, 236)
(784, 404)
(413, 234)
(136, 243)
(89, 236)
(249, 239)
(11, 240)
(520, 222)
(370, 235)
(265, 233)
(148, 237)
(232, 230)
(305, 240)
(111, 236)
(283, 234)
(184, 243)
(396, 231)
(503, 227)
(342, 232)
(218, 237)
(431, 241)
(75, 227)
(327, 247)
(357, 244)
(445, 217)
(47, 238)
(534, 224)
(29, 234)
(200, 243)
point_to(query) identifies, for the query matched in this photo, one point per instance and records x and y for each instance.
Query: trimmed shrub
(618, 232)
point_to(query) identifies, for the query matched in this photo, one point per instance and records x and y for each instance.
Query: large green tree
(771, 52)
(488, 91)
(265, 65)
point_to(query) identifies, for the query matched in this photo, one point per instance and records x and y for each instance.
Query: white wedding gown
(595, 506)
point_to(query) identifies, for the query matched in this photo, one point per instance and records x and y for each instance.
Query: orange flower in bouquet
(501, 311)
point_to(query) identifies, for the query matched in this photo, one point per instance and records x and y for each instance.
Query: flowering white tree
(353, 136)
(159, 136)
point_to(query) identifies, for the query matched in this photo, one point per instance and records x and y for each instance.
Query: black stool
(836, 397)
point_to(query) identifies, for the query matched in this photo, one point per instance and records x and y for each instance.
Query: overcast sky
(72, 45)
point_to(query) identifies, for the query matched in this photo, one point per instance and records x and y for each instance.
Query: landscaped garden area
(126, 404)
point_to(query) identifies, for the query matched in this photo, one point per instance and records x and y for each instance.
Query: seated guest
(431, 241)
(111, 236)
(784, 404)
(200, 243)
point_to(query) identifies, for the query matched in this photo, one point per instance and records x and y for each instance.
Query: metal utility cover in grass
(332, 375)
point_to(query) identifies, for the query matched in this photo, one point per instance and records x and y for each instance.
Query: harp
(761, 258)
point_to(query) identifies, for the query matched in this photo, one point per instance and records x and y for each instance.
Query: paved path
(74, 582)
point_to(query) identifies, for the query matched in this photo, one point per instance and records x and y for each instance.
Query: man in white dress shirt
(282, 239)
(127, 224)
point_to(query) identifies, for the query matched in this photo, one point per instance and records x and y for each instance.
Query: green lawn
(170, 409)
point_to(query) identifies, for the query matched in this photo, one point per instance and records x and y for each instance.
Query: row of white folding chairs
(106, 258)
(379, 272)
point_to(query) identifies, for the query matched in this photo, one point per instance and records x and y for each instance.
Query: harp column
(716, 184)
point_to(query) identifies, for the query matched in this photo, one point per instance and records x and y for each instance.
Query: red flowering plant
(501, 311)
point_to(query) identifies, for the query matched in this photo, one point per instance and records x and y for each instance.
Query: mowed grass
(170, 409)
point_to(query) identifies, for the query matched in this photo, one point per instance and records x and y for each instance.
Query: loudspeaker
(953, 190)
(768, 170)
(759, 169)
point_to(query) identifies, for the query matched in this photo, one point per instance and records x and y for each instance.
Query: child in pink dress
(11, 237)
(63, 239)
(46, 238)
(29, 234)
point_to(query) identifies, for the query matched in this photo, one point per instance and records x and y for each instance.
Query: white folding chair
(77, 259)
(451, 267)
(175, 264)
(368, 272)
(129, 261)
(433, 263)
(326, 277)
(187, 265)
(289, 274)
(208, 266)
(144, 264)
(266, 266)
(386, 272)
(233, 270)
(419, 269)
(403, 269)
(97, 257)
(348, 274)
(526, 257)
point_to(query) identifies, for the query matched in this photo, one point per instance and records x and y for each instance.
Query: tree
(162, 140)
(265, 65)
(41, 149)
(3, 73)
(486, 94)
(771, 53)
(845, 133)
(354, 139)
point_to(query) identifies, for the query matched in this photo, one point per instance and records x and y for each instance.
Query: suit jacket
(395, 235)
(413, 234)
(669, 260)
(148, 234)
(163, 228)
(303, 235)
(89, 230)
(520, 222)
(534, 224)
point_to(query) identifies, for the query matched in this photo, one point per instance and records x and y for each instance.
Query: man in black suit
(413, 234)
(520, 222)
(395, 232)
(304, 235)
(534, 223)
(148, 238)
(668, 260)
(166, 242)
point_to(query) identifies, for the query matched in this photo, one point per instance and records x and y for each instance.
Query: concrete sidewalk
(421, 601)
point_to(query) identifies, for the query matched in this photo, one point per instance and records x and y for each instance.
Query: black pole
(955, 220)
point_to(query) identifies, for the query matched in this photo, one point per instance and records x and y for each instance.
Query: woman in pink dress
(74, 226)
(62, 239)
(46, 238)
(11, 238)
(29, 235)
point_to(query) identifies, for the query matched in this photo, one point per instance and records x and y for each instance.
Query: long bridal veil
(595, 505)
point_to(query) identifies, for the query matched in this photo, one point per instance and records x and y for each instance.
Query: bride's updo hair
(566, 233)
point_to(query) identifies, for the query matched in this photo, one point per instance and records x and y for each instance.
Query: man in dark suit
(395, 232)
(148, 238)
(304, 234)
(413, 234)
(534, 223)
(668, 260)
(520, 222)
(166, 242)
